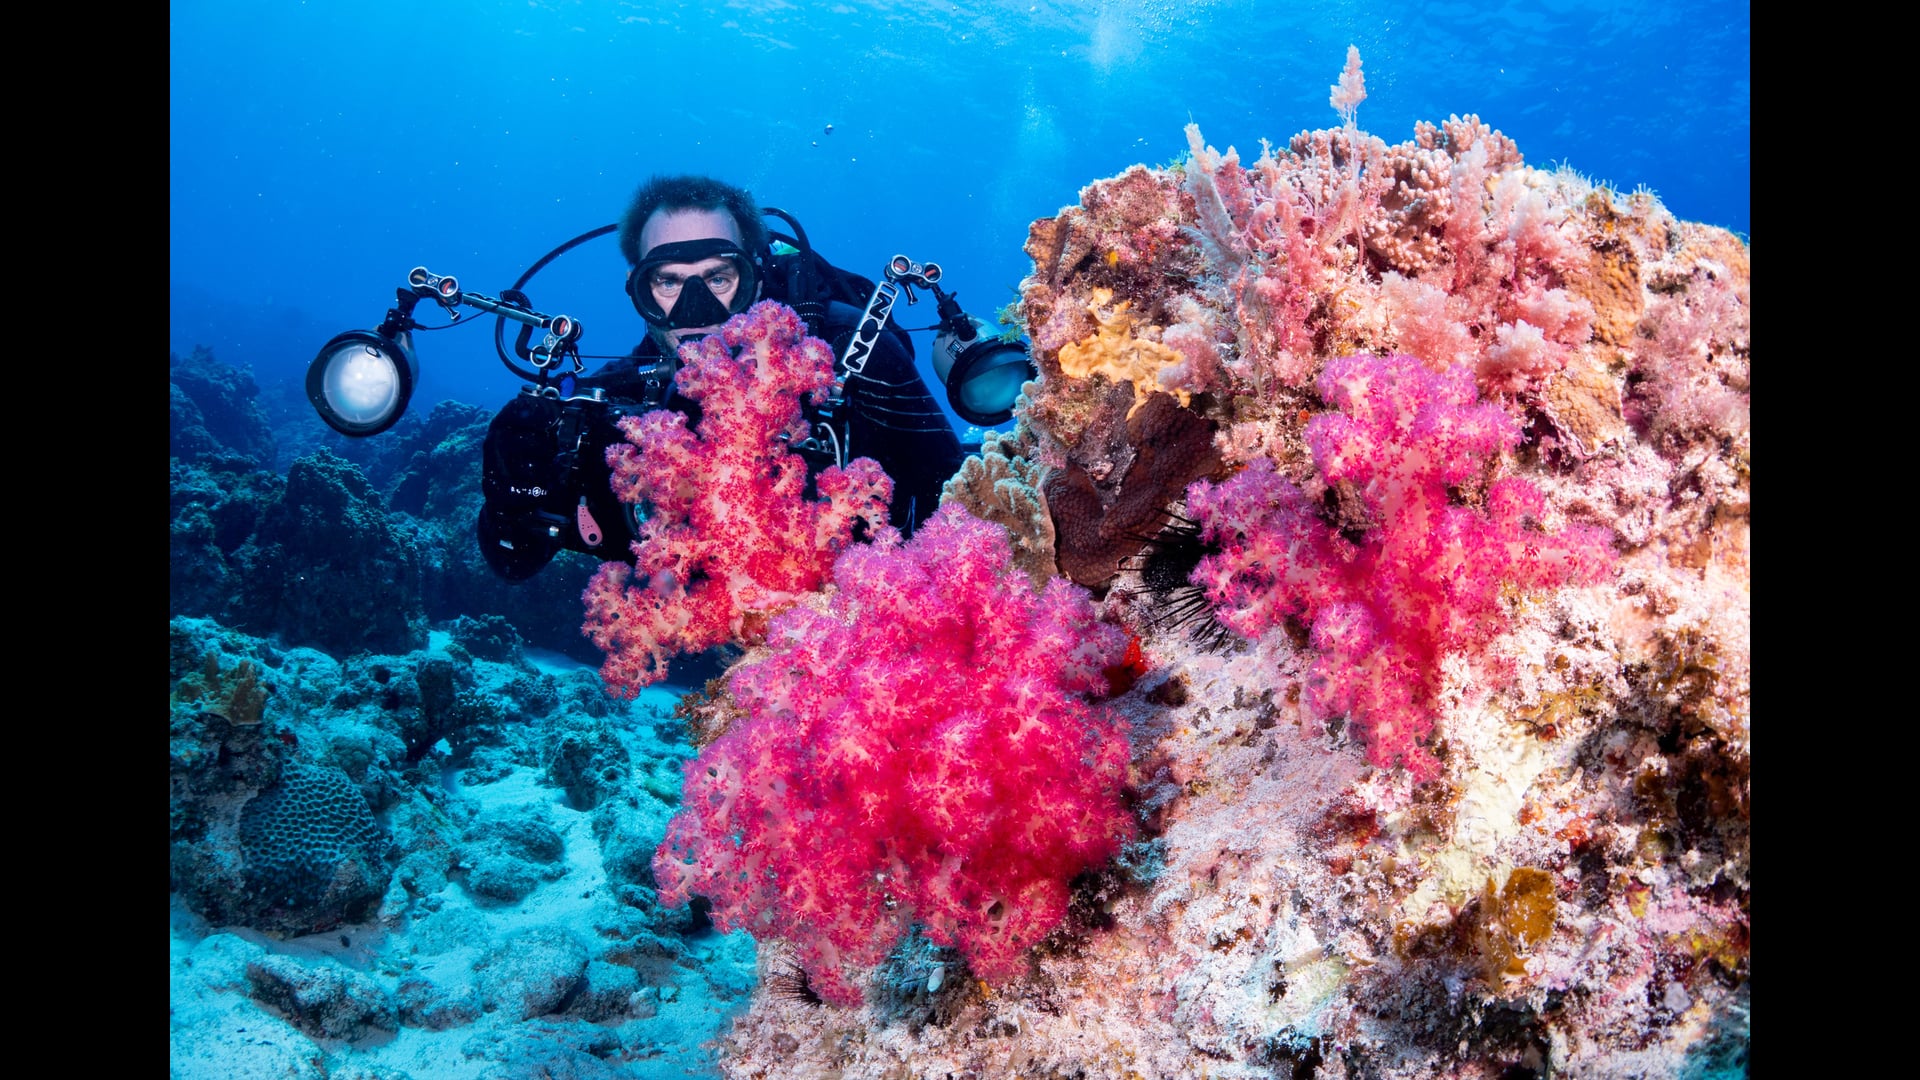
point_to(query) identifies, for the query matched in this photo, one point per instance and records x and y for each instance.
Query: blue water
(319, 150)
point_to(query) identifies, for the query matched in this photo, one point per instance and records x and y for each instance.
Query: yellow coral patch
(1115, 352)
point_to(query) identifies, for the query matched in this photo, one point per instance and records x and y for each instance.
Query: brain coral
(313, 849)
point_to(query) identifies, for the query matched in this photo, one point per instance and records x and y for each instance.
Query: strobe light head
(983, 372)
(361, 380)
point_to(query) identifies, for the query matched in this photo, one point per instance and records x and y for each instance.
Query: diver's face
(667, 281)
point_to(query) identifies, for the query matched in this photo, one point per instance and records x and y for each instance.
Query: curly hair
(691, 193)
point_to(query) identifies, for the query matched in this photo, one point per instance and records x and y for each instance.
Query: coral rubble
(348, 904)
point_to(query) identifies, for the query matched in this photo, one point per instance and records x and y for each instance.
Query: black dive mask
(696, 305)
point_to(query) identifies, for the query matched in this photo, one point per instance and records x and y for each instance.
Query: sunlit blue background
(321, 149)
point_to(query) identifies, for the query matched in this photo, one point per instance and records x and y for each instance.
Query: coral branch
(730, 537)
(917, 752)
(1351, 90)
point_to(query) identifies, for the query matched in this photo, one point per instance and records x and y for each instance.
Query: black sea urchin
(1174, 601)
(791, 982)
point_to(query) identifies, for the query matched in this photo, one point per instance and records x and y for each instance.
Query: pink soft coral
(1476, 249)
(730, 537)
(918, 752)
(1423, 580)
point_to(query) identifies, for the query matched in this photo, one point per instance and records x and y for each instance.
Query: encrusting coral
(236, 694)
(1117, 352)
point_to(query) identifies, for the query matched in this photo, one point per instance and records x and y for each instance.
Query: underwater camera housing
(545, 478)
(544, 473)
(547, 485)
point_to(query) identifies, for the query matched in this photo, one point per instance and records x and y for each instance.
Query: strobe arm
(563, 331)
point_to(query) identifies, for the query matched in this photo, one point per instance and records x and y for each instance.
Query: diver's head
(693, 243)
(694, 274)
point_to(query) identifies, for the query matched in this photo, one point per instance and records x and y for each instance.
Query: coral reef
(215, 505)
(1405, 734)
(418, 486)
(1453, 778)
(504, 927)
(730, 538)
(915, 753)
(328, 568)
(212, 411)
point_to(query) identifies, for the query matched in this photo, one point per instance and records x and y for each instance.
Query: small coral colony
(1433, 464)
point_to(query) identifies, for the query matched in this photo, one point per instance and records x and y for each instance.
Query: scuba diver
(699, 252)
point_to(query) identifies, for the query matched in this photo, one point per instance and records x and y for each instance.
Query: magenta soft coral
(730, 537)
(918, 752)
(1424, 578)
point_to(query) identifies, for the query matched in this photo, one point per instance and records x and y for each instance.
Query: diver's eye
(666, 286)
(722, 280)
